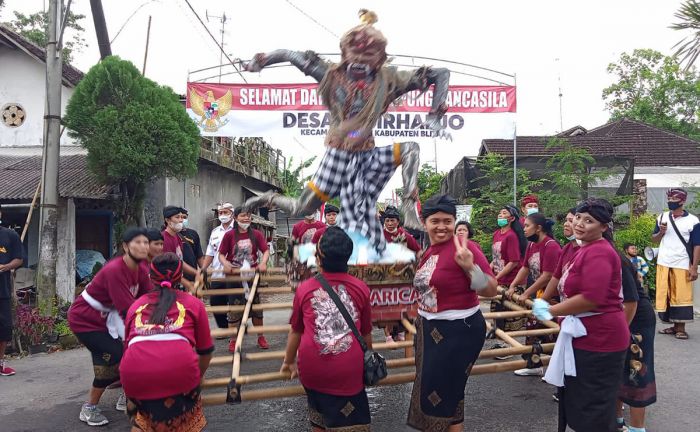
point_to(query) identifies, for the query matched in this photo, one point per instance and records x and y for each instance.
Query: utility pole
(222, 19)
(148, 39)
(98, 17)
(561, 117)
(48, 223)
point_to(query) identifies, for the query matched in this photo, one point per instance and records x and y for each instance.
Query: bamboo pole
(31, 210)
(263, 278)
(533, 332)
(239, 291)
(256, 307)
(393, 379)
(503, 336)
(233, 331)
(506, 314)
(410, 328)
(236, 369)
(270, 270)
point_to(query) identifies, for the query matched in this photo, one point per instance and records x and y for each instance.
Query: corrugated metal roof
(19, 176)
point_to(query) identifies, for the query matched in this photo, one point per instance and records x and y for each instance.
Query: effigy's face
(363, 50)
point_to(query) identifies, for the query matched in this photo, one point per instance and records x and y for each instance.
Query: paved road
(47, 391)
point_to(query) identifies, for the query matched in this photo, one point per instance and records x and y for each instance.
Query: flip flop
(681, 335)
(668, 331)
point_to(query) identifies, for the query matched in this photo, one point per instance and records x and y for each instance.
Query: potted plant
(33, 328)
(66, 338)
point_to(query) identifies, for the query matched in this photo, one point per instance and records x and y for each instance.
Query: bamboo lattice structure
(235, 382)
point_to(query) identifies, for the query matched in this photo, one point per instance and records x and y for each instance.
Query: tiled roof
(19, 176)
(71, 75)
(647, 145)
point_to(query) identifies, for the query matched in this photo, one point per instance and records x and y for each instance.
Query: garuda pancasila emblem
(210, 109)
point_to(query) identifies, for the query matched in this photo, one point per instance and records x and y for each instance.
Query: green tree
(429, 181)
(652, 88)
(35, 28)
(292, 180)
(688, 47)
(135, 131)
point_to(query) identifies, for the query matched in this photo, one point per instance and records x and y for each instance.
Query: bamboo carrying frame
(236, 381)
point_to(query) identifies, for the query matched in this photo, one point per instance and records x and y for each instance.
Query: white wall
(23, 81)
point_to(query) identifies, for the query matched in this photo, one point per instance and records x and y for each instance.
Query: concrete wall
(23, 81)
(65, 264)
(211, 185)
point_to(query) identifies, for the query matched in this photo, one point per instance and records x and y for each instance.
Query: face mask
(674, 205)
(502, 222)
(533, 238)
(532, 211)
(391, 231)
(128, 252)
(224, 219)
(571, 237)
(243, 226)
(177, 227)
(185, 223)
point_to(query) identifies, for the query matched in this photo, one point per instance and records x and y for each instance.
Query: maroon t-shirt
(595, 273)
(237, 247)
(115, 286)
(304, 232)
(156, 369)
(505, 249)
(330, 359)
(172, 243)
(401, 236)
(317, 235)
(542, 257)
(441, 283)
(567, 254)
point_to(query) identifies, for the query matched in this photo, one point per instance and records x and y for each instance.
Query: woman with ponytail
(540, 261)
(168, 349)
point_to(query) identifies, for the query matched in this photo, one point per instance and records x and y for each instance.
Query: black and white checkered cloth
(358, 177)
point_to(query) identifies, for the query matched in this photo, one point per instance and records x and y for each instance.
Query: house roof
(71, 75)
(647, 145)
(20, 175)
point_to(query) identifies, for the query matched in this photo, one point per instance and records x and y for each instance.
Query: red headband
(169, 278)
(679, 193)
(527, 199)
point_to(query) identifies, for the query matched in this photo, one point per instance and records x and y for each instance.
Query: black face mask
(533, 238)
(672, 205)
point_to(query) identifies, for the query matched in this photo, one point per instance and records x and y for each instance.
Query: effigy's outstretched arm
(308, 62)
(423, 79)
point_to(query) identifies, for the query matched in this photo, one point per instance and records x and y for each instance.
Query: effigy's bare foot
(408, 208)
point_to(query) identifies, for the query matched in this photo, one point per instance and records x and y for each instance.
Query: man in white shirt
(225, 214)
(675, 270)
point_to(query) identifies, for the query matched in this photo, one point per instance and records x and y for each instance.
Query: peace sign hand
(463, 256)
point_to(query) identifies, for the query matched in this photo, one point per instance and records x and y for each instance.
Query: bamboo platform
(235, 384)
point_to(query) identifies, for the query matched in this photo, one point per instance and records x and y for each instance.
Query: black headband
(330, 208)
(600, 209)
(439, 203)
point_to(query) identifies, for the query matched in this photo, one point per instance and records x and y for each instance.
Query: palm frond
(688, 49)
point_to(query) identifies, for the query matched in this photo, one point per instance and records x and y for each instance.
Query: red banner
(304, 97)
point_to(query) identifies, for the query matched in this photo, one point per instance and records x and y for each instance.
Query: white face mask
(177, 227)
(224, 219)
(532, 211)
(571, 237)
(243, 226)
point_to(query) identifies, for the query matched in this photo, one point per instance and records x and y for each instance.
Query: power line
(312, 18)
(216, 42)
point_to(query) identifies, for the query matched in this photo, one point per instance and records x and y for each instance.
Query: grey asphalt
(48, 390)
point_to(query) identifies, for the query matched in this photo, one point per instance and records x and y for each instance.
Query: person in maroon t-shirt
(96, 317)
(592, 290)
(552, 293)
(330, 359)
(450, 329)
(507, 250)
(240, 245)
(331, 213)
(168, 349)
(303, 231)
(530, 204)
(394, 233)
(539, 263)
(173, 217)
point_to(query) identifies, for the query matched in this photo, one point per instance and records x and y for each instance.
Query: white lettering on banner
(393, 296)
(458, 99)
(310, 97)
(268, 96)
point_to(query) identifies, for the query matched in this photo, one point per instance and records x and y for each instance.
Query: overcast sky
(539, 41)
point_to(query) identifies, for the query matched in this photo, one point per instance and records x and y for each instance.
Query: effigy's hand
(256, 64)
(433, 123)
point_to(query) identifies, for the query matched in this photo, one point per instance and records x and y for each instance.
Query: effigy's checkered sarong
(358, 177)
